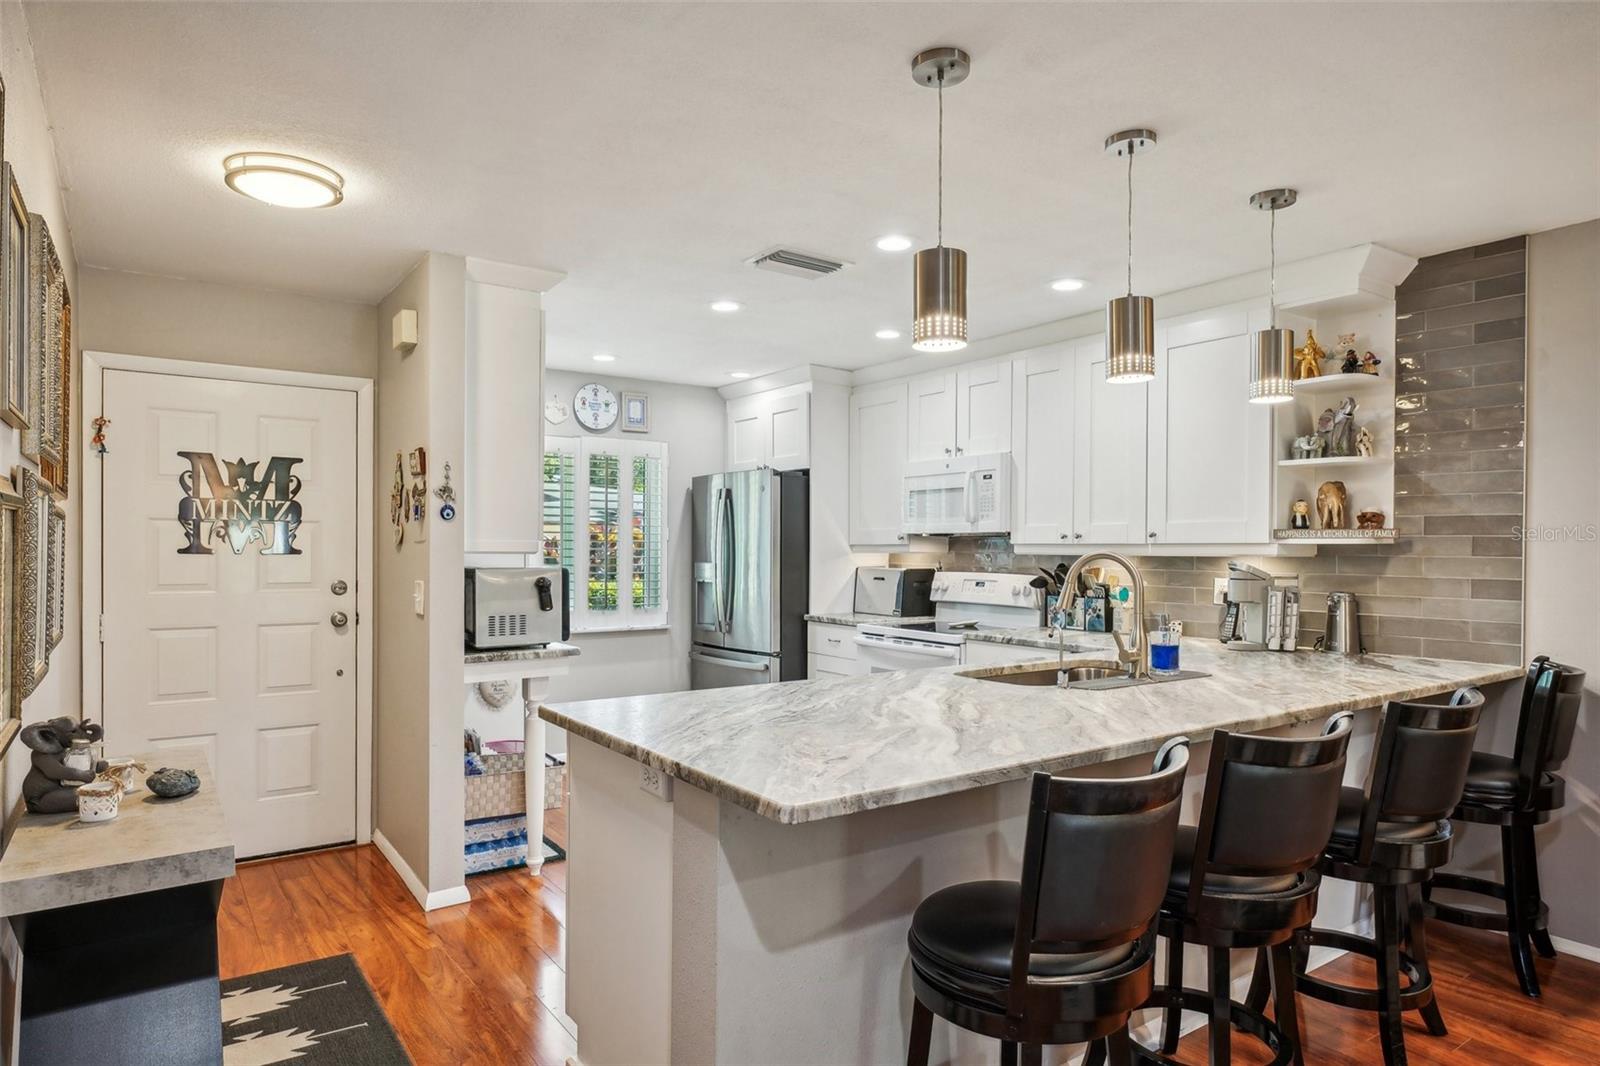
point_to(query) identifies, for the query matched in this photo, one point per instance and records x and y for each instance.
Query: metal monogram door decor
(241, 507)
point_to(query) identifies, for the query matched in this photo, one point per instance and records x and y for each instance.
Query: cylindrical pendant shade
(1130, 339)
(941, 300)
(1269, 367)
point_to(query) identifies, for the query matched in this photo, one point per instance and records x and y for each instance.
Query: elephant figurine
(1331, 500)
(46, 789)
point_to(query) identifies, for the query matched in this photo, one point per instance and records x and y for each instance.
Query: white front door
(228, 527)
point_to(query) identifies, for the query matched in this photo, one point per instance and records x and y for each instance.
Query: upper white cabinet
(1210, 451)
(960, 412)
(504, 380)
(878, 437)
(1042, 417)
(770, 429)
(1110, 453)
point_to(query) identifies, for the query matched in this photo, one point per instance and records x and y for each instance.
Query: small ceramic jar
(125, 771)
(99, 801)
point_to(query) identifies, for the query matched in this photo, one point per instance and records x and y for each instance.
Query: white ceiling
(647, 150)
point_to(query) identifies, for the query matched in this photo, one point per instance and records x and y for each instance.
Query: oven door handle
(948, 651)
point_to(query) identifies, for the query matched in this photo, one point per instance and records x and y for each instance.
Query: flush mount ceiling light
(887, 334)
(893, 243)
(603, 358)
(1130, 319)
(283, 180)
(940, 318)
(1066, 285)
(739, 374)
(725, 307)
(1274, 348)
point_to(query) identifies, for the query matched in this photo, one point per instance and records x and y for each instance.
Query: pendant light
(1274, 348)
(940, 322)
(1130, 319)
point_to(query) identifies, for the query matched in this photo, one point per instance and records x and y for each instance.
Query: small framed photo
(635, 412)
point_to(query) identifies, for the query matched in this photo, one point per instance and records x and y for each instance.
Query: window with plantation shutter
(605, 521)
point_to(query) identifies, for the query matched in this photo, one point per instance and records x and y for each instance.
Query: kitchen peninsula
(756, 853)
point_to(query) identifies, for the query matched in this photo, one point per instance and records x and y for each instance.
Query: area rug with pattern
(313, 1012)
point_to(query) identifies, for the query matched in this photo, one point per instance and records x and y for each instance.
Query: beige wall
(173, 318)
(1562, 550)
(418, 669)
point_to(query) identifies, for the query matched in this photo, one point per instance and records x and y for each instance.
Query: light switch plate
(655, 782)
(1219, 590)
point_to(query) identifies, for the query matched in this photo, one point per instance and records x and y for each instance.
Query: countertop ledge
(54, 860)
(850, 618)
(777, 749)
(520, 655)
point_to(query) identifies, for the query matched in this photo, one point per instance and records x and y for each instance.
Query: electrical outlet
(655, 782)
(1219, 590)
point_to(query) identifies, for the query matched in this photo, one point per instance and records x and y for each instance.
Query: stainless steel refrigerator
(751, 577)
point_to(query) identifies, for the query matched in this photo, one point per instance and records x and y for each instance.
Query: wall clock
(556, 410)
(596, 407)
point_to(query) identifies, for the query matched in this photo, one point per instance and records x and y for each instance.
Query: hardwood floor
(485, 982)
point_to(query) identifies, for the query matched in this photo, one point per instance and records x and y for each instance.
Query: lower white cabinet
(820, 666)
(832, 651)
(877, 464)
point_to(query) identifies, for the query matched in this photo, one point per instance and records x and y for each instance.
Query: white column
(534, 690)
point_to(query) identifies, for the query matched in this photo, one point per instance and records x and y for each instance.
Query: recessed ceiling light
(283, 180)
(725, 307)
(1066, 284)
(887, 334)
(740, 374)
(894, 242)
(605, 358)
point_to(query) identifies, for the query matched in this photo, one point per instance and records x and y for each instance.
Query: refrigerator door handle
(731, 664)
(716, 561)
(731, 564)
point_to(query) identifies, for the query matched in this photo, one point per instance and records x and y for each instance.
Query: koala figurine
(45, 789)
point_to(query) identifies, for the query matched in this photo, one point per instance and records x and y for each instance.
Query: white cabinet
(878, 438)
(1109, 453)
(1042, 417)
(504, 383)
(983, 409)
(931, 417)
(832, 651)
(1210, 451)
(770, 429)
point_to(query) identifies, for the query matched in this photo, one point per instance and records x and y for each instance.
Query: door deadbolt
(339, 619)
(339, 588)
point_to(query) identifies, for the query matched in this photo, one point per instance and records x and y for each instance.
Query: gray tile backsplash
(1451, 585)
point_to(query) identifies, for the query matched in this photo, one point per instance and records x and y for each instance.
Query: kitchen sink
(1089, 675)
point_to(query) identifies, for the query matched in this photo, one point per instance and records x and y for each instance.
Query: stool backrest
(1094, 866)
(1551, 699)
(1419, 768)
(1269, 804)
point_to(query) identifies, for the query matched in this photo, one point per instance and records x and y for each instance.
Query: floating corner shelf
(1331, 460)
(1338, 382)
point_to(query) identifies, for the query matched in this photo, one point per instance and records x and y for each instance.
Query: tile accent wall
(1451, 584)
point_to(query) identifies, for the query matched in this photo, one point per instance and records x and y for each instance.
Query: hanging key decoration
(397, 500)
(447, 497)
(417, 496)
(98, 441)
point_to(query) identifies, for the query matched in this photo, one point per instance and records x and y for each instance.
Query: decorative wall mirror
(32, 658)
(16, 387)
(10, 700)
(59, 475)
(56, 558)
(41, 440)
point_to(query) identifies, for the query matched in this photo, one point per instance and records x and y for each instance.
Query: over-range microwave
(962, 494)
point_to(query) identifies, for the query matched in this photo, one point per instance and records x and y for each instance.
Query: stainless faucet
(1137, 659)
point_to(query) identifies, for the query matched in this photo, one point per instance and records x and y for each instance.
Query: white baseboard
(428, 901)
(1574, 947)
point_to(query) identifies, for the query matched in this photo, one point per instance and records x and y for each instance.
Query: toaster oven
(516, 607)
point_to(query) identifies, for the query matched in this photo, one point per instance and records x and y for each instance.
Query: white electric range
(963, 603)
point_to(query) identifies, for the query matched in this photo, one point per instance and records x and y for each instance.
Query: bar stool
(1067, 954)
(1517, 793)
(1392, 835)
(1245, 877)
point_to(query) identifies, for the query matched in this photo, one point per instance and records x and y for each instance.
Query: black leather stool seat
(1347, 827)
(962, 938)
(1183, 863)
(1492, 779)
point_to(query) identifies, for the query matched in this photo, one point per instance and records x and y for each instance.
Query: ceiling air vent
(797, 264)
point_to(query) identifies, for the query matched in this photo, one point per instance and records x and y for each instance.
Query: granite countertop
(808, 750)
(555, 650)
(54, 860)
(850, 618)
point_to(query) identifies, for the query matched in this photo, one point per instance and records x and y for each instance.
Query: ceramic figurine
(1341, 427)
(1370, 364)
(169, 783)
(1364, 442)
(1309, 446)
(1352, 362)
(51, 785)
(1331, 500)
(1308, 358)
(1369, 520)
(1300, 515)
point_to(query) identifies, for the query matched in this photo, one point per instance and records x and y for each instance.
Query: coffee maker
(1260, 611)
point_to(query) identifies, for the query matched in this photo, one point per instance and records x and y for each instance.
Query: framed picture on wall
(635, 412)
(16, 387)
(41, 440)
(58, 474)
(30, 615)
(10, 703)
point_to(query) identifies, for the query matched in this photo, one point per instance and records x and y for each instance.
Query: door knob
(339, 619)
(338, 588)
